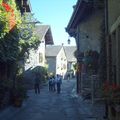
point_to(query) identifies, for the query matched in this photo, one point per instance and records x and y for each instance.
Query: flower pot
(18, 102)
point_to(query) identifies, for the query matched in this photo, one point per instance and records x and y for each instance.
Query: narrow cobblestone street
(50, 106)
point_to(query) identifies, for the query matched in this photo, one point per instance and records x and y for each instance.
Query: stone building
(113, 55)
(71, 60)
(56, 60)
(37, 57)
(85, 26)
(113, 42)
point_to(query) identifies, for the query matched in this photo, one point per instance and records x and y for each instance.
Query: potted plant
(18, 95)
(111, 93)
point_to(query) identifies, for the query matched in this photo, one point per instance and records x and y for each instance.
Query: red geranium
(7, 7)
(10, 16)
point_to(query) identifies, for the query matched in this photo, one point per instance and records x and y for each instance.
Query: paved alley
(49, 106)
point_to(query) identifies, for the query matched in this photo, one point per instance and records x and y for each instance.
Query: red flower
(106, 86)
(114, 86)
(11, 16)
(7, 7)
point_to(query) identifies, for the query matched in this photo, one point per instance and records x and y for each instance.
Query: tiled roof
(69, 50)
(81, 10)
(52, 51)
(44, 31)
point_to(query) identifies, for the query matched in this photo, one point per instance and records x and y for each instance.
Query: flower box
(114, 112)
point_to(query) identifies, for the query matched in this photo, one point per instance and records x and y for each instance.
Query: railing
(91, 86)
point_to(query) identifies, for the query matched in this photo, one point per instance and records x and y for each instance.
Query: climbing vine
(12, 46)
(32, 42)
(9, 16)
(10, 19)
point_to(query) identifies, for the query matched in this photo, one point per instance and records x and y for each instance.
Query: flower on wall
(9, 16)
(111, 92)
(7, 7)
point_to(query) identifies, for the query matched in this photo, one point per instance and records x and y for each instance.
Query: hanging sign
(25, 33)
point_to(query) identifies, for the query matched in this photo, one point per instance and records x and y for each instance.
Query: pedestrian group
(55, 83)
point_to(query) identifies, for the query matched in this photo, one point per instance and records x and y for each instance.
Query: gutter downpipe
(106, 39)
(78, 89)
(106, 17)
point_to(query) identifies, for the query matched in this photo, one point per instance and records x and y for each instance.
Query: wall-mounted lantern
(68, 40)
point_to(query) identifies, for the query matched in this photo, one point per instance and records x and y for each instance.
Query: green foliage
(9, 47)
(75, 66)
(3, 24)
(5, 16)
(41, 71)
(12, 48)
(33, 41)
(21, 92)
(8, 38)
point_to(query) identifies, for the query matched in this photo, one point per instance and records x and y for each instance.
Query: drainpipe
(79, 59)
(106, 17)
(106, 38)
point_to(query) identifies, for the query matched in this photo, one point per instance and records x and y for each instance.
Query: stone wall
(90, 31)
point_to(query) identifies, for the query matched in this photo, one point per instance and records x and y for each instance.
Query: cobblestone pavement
(49, 106)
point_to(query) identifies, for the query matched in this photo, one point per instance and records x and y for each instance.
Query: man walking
(59, 82)
(37, 84)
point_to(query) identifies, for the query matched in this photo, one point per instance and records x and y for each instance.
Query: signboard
(25, 33)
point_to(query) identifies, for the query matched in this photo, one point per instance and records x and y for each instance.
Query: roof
(52, 50)
(78, 14)
(44, 31)
(25, 5)
(69, 50)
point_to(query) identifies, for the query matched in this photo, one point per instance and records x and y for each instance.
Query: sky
(57, 14)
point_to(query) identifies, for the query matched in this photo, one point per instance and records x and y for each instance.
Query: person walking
(37, 84)
(50, 83)
(59, 82)
(53, 84)
(68, 76)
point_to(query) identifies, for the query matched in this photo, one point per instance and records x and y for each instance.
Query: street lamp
(69, 41)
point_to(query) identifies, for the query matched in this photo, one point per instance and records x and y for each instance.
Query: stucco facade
(90, 32)
(57, 61)
(36, 57)
(51, 61)
(86, 26)
(61, 63)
